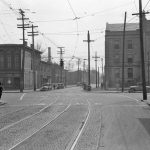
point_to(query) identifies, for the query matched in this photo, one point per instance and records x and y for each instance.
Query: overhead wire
(146, 4)
(77, 27)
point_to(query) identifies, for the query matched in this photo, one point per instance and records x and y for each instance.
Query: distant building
(132, 55)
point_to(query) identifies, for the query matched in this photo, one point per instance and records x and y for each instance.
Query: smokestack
(49, 55)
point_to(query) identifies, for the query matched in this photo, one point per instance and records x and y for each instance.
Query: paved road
(72, 119)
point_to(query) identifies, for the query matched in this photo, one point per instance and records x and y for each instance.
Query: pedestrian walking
(1, 90)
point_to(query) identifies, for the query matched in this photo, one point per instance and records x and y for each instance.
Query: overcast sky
(66, 22)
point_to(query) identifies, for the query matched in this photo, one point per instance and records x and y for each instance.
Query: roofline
(19, 45)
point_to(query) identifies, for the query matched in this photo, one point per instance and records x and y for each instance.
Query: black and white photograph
(75, 75)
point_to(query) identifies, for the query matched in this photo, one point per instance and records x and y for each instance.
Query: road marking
(22, 96)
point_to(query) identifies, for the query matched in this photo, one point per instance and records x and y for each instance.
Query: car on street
(46, 87)
(137, 88)
(60, 86)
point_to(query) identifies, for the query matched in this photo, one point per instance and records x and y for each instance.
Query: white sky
(55, 18)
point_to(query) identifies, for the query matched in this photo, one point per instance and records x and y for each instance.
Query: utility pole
(22, 26)
(79, 60)
(148, 68)
(124, 31)
(61, 52)
(102, 73)
(142, 49)
(96, 66)
(88, 40)
(98, 76)
(33, 33)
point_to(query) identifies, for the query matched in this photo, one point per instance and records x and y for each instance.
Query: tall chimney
(49, 55)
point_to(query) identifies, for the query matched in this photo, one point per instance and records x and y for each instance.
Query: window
(17, 61)
(116, 44)
(130, 45)
(130, 59)
(1, 61)
(9, 61)
(130, 73)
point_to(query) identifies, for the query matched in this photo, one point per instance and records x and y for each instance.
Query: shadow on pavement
(146, 123)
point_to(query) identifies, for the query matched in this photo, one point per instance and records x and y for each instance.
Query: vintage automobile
(60, 86)
(137, 88)
(46, 87)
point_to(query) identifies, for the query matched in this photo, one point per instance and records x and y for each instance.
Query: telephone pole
(88, 41)
(98, 76)
(142, 48)
(96, 66)
(79, 60)
(102, 73)
(148, 68)
(124, 31)
(33, 33)
(22, 26)
(61, 52)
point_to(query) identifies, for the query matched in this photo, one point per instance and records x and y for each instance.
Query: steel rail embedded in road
(76, 137)
(30, 116)
(40, 128)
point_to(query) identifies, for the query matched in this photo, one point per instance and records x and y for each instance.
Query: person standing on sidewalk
(1, 90)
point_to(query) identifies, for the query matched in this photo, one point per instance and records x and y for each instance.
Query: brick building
(11, 68)
(132, 54)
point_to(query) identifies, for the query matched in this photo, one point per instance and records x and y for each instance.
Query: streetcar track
(78, 133)
(40, 128)
(30, 116)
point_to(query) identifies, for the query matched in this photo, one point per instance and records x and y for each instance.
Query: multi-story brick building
(132, 54)
(11, 66)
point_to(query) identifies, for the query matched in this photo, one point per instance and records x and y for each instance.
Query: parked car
(46, 87)
(138, 88)
(60, 86)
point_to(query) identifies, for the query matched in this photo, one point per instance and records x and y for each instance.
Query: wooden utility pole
(88, 40)
(142, 48)
(61, 52)
(98, 76)
(96, 65)
(22, 26)
(102, 73)
(33, 33)
(148, 68)
(79, 60)
(124, 31)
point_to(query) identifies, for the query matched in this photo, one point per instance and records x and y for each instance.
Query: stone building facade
(132, 54)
